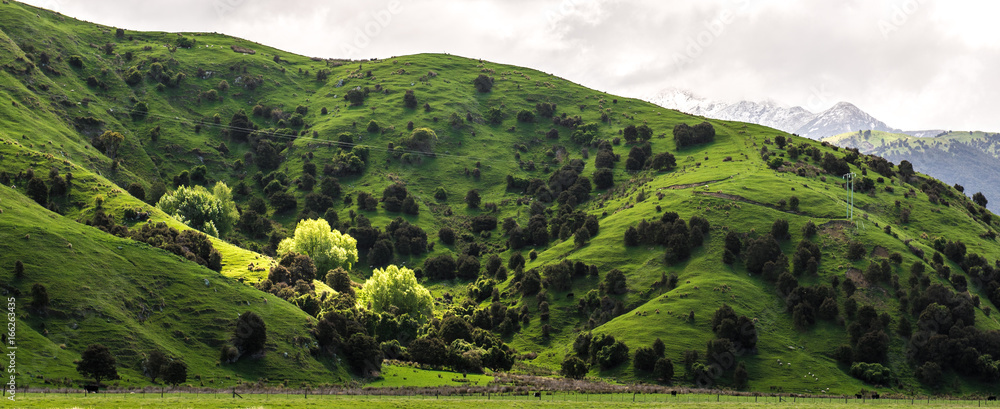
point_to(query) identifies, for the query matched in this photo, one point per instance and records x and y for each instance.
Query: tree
(328, 248)
(250, 334)
(664, 161)
(109, 142)
(340, 281)
(472, 199)
(211, 212)
(740, 376)
(604, 178)
(645, 359)
(175, 372)
(581, 237)
(980, 199)
(98, 363)
(364, 354)
(573, 367)
(614, 282)
(630, 134)
(663, 370)
(39, 297)
(38, 191)
(779, 229)
(422, 139)
(137, 191)
(906, 169)
(395, 287)
(153, 364)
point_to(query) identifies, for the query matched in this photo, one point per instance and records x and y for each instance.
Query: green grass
(558, 400)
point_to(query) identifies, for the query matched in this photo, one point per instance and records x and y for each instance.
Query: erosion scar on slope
(690, 185)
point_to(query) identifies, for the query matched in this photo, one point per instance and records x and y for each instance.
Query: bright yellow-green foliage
(328, 248)
(394, 286)
(211, 212)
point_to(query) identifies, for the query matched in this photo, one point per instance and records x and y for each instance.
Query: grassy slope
(100, 286)
(177, 110)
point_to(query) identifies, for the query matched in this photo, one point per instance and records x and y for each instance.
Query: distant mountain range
(842, 117)
(966, 158)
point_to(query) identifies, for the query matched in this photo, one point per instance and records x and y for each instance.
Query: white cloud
(912, 63)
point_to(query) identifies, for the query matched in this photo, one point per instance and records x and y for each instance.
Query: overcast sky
(914, 64)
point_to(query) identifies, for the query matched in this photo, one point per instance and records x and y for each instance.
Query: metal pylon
(849, 177)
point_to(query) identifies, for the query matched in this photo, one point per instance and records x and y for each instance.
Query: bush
(525, 115)
(250, 334)
(664, 161)
(872, 373)
(355, 97)
(929, 374)
(446, 235)
(604, 178)
(409, 99)
(613, 355)
(483, 83)
(779, 229)
(472, 199)
(573, 367)
(39, 297)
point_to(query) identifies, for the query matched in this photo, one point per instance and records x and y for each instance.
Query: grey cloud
(927, 72)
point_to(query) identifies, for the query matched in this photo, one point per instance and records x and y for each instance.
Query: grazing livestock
(991, 398)
(90, 388)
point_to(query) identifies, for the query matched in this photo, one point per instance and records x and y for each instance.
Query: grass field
(569, 401)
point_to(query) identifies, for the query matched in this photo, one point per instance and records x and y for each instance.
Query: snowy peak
(842, 117)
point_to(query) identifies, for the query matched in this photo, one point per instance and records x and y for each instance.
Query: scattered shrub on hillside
(250, 334)
(483, 83)
(409, 99)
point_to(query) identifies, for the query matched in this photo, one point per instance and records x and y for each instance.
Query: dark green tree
(98, 363)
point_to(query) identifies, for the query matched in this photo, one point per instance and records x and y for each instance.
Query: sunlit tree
(395, 287)
(328, 248)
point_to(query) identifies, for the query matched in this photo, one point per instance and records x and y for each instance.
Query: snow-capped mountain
(842, 117)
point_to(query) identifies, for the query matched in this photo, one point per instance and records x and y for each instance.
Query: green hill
(526, 146)
(965, 158)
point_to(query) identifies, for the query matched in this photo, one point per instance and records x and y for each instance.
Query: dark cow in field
(991, 398)
(673, 393)
(90, 388)
(858, 395)
(875, 396)
(538, 395)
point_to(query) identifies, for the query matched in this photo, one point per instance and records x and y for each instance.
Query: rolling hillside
(965, 158)
(275, 125)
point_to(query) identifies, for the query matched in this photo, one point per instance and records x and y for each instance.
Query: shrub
(685, 135)
(39, 297)
(446, 235)
(615, 282)
(409, 99)
(472, 199)
(250, 334)
(525, 115)
(645, 359)
(483, 83)
(871, 373)
(373, 126)
(573, 367)
(355, 97)
(612, 355)
(664, 161)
